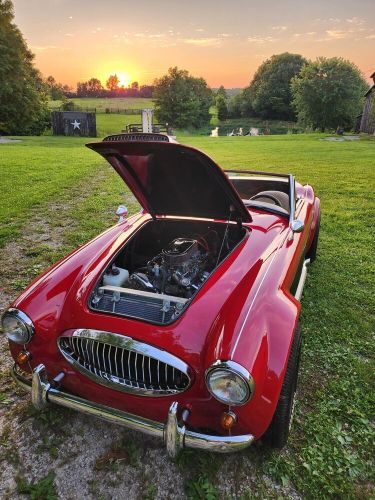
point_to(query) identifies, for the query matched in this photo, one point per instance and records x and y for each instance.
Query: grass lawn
(101, 103)
(113, 123)
(34, 172)
(331, 448)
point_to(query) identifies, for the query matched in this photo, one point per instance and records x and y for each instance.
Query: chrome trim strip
(132, 346)
(292, 198)
(175, 436)
(302, 280)
(259, 172)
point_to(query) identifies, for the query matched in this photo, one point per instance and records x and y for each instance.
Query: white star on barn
(76, 125)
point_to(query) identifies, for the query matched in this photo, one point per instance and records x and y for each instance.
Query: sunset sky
(223, 41)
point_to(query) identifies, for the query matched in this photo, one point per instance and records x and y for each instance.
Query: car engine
(178, 270)
(155, 277)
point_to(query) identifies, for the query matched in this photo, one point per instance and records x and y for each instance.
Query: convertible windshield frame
(287, 177)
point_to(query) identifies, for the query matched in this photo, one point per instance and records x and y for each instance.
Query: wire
(224, 237)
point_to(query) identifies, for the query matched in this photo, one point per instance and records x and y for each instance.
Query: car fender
(44, 298)
(260, 336)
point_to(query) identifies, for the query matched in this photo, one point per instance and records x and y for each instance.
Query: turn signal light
(228, 420)
(23, 357)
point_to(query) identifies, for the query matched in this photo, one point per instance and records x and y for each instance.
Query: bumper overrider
(175, 435)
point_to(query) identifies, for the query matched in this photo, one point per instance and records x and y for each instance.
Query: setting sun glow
(125, 78)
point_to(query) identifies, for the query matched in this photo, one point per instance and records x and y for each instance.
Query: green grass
(330, 452)
(35, 172)
(44, 489)
(113, 124)
(101, 103)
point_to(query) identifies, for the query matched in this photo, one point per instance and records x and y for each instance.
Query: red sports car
(182, 320)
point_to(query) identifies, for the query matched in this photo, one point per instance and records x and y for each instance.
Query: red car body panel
(244, 312)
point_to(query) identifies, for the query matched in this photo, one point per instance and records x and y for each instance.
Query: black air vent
(137, 138)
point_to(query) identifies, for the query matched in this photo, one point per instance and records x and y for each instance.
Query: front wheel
(277, 433)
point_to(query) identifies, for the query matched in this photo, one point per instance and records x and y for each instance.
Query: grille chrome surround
(137, 137)
(124, 364)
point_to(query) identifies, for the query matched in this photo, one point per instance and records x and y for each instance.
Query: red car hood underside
(172, 179)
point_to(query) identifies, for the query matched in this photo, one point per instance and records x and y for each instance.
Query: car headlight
(17, 326)
(230, 383)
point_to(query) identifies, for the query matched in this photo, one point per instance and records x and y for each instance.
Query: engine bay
(178, 269)
(161, 268)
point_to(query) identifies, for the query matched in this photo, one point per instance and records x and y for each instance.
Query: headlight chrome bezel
(233, 368)
(25, 322)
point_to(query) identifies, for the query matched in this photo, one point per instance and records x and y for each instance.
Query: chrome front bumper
(175, 436)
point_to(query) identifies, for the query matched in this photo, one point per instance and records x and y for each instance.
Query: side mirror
(297, 226)
(121, 212)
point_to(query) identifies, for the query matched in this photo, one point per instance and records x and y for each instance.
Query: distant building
(368, 116)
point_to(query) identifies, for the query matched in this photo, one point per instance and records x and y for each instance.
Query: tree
(82, 89)
(94, 86)
(68, 105)
(269, 94)
(221, 99)
(222, 108)
(23, 95)
(221, 92)
(236, 105)
(146, 90)
(182, 100)
(328, 93)
(56, 90)
(113, 82)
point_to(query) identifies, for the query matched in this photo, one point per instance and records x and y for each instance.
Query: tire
(311, 254)
(277, 434)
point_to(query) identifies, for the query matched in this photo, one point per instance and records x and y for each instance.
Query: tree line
(323, 94)
(94, 88)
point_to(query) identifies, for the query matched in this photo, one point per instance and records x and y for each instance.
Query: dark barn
(75, 123)
(368, 116)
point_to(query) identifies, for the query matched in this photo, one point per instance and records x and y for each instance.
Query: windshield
(263, 190)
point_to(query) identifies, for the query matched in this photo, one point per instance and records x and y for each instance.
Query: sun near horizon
(125, 77)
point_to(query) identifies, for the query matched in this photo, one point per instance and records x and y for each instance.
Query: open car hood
(171, 179)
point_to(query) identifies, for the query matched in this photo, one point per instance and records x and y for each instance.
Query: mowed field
(56, 194)
(102, 103)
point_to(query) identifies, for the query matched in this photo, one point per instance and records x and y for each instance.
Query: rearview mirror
(122, 212)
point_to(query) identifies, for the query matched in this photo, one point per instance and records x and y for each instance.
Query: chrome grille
(125, 364)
